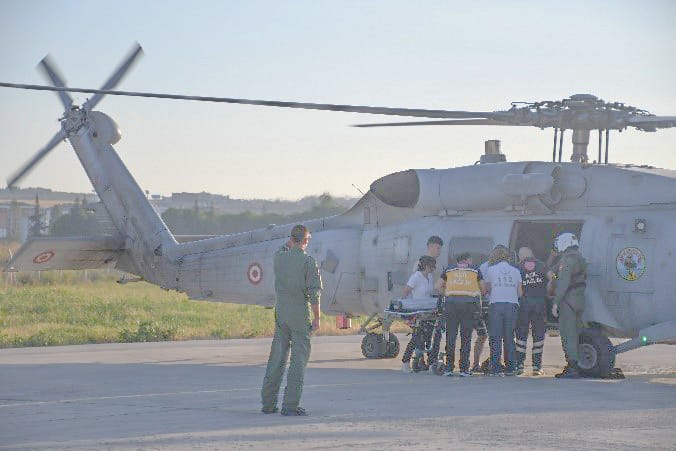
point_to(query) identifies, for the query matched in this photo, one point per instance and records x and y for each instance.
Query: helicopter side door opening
(539, 237)
(479, 248)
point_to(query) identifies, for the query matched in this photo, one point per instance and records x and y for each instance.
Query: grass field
(67, 310)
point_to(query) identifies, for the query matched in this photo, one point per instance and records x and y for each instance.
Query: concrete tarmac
(206, 395)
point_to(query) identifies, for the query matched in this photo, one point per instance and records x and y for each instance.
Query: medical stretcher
(421, 315)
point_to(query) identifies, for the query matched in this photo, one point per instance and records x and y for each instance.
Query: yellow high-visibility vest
(462, 282)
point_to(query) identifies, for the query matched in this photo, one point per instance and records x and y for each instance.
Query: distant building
(15, 220)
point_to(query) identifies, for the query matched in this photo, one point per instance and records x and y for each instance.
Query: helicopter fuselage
(367, 254)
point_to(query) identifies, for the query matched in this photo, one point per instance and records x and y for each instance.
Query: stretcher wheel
(392, 348)
(373, 346)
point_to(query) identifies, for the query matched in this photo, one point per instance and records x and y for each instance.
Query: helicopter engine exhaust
(431, 191)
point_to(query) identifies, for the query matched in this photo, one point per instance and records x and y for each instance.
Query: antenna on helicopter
(357, 188)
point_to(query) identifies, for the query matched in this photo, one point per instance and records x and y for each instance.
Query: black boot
(569, 372)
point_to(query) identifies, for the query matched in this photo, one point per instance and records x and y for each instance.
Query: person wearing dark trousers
(462, 295)
(419, 285)
(503, 282)
(480, 321)
(434, 245)
(437, 333)
(532, 310)
(421, 340)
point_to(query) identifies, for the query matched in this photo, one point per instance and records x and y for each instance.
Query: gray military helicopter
(624, 216)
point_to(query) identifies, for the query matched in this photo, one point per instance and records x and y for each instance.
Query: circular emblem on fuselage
(630, 263)
(43, 257)
(255, 273)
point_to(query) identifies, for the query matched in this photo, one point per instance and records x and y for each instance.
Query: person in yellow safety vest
(462, 295)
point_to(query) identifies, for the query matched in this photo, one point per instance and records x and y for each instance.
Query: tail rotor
(26, 168)
(57, 80)
(51, 72)
(134, 54)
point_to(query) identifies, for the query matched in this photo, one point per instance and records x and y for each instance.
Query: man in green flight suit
(568, 304)
(298, 286)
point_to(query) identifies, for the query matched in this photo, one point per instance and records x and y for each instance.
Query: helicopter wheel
(373, 346)
(596, 354)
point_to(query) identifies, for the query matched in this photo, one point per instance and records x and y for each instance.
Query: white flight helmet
(565, 240)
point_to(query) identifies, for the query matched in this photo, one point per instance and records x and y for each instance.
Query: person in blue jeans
(503, 283)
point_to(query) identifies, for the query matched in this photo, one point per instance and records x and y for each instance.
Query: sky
(424, 54)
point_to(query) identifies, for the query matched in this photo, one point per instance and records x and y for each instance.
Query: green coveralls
(297, 285)
(569, 297)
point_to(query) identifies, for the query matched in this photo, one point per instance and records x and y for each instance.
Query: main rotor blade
(117, 76)
(60, 136)
(653, 121)
(441, 114)
(49, 69)
(450, 122)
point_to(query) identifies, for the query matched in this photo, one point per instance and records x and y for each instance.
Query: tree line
(82, 221)
(198, 222)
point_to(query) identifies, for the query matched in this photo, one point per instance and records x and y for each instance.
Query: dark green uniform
(297, 285)
(569, 297)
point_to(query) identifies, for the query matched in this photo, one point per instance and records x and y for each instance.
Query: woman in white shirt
(503, 282)
(419, 285)
(421, 282)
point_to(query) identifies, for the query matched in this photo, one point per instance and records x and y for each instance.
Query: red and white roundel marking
(43, 257)
(255, 273)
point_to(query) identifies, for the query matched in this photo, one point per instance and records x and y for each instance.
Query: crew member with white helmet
(568, 303)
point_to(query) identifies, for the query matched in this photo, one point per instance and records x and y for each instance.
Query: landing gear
(596, 354)
(392, 347)
(379, 345)
(373, 346)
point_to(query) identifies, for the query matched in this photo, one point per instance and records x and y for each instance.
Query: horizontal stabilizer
(48, 253)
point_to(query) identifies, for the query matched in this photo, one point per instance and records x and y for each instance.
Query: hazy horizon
(436, 55)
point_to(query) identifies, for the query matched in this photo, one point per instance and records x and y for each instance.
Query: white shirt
(420, 285)
(504, 279)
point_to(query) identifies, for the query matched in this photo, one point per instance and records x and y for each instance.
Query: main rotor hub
(73, 120)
